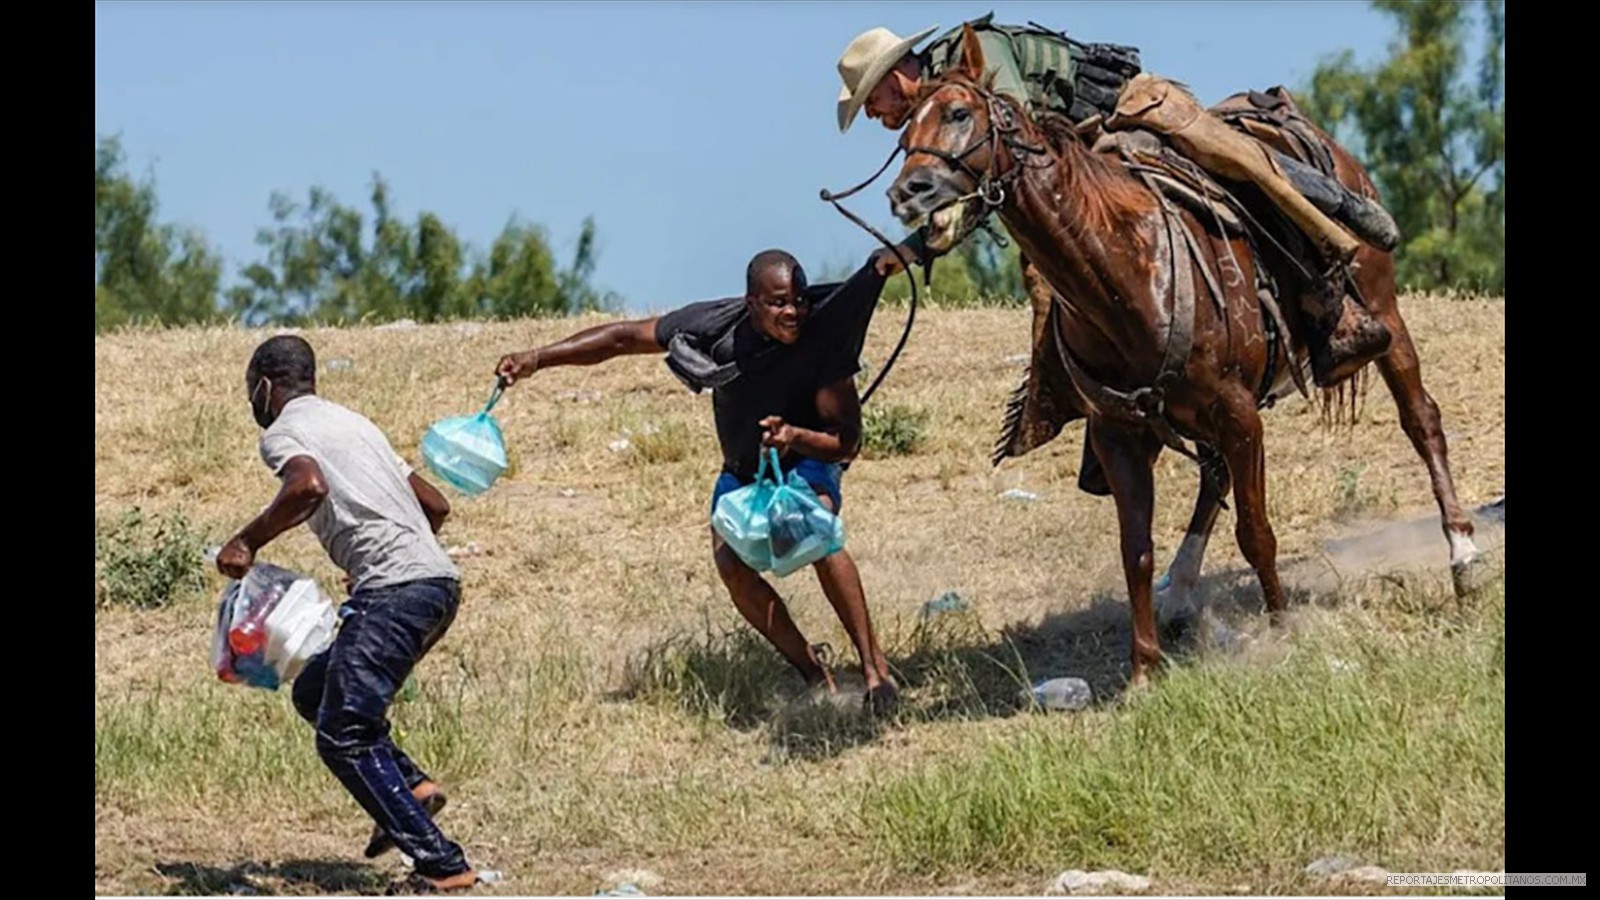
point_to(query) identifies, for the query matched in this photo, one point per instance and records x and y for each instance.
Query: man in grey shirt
(377, 520)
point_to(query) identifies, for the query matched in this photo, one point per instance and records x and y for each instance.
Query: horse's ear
(971, 53)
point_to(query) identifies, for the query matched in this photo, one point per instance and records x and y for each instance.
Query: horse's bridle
(989, 186)
(990, 189)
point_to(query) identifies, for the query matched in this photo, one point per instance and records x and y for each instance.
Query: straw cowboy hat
(864, 63)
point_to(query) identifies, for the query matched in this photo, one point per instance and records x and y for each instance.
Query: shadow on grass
(948, 666)
(297, 876)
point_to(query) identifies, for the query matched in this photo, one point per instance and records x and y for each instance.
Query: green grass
(213, 742)
(892, 430)
(564, 766)
(147, 562)
(1358, 740)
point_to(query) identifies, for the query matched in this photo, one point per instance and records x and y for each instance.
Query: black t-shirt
(776, 380)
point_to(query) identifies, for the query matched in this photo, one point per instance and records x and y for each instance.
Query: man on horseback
(1100, 88)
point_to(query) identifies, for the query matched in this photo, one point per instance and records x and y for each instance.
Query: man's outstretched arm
(586, 348)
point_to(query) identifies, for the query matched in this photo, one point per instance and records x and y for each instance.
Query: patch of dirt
(1376, 547)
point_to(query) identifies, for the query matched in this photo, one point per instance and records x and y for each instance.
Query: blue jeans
(345, 691)
(824, 478)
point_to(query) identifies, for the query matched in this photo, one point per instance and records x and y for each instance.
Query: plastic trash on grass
(269, 625)
(468, 452)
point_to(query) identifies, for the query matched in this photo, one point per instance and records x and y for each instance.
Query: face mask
(263, 410)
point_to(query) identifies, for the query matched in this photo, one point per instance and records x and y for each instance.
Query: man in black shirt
(782, 376)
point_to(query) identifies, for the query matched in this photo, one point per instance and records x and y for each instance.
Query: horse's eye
(960, 114)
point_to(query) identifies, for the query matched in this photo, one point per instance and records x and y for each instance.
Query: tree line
(323, 261)
(1429, 127)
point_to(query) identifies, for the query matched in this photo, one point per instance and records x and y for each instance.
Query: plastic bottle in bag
(269, 625)
(249, 634)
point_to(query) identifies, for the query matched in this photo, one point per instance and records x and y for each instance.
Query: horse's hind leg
(1241, 445)
(1177, 592)
(1419, 417)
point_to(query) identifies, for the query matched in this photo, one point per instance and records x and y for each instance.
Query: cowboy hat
(865, 61)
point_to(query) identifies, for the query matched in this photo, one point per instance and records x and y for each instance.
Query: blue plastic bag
(741, 519)
(800, 530)
(468, 452)
(777, 525)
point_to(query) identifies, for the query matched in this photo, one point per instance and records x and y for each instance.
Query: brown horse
(1163, 316)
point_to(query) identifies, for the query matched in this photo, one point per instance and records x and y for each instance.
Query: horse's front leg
(1128, 454)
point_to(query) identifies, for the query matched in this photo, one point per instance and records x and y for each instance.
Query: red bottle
(250, 635)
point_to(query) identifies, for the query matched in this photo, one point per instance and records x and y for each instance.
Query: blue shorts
(822, 476)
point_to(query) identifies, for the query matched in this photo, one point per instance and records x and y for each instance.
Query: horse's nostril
(920, 185)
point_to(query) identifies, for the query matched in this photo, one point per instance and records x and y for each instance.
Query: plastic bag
(800, 530)
(741, 518)
(269, 625)
(467, 452)
(777, 525)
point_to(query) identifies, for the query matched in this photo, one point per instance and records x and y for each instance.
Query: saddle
(1044, 402)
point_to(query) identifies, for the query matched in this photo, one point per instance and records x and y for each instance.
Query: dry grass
(599, 704)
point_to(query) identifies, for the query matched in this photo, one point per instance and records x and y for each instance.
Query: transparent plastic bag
(467, 452)
(777, 524)
(800, 530)
(741, 518)
(269, 625)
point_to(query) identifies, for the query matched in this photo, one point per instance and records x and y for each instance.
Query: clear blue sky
(695, 133)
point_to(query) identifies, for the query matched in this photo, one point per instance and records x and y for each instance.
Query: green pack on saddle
(1045, 69)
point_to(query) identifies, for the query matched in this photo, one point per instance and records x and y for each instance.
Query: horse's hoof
(1138, 684)
(1470, 575)
(1176, 610)
(1176, 624)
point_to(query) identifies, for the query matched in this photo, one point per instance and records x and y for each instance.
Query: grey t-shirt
(371, 522)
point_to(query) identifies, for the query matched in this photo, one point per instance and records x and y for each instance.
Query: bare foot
(883, 699)
(422, 884)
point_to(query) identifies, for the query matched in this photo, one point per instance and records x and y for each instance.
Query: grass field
(600, 712)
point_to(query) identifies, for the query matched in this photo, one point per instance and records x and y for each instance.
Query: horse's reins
(927, 268)
(991, 189)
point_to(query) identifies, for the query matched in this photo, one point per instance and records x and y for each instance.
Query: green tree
(1432, 133)
(145, 271)
(318, 267)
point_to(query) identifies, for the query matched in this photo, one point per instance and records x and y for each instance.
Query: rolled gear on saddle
(1272, 118)
(1152, 102)
(1370, 221)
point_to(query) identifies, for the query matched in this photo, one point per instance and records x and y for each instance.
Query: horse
(1152, 363)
